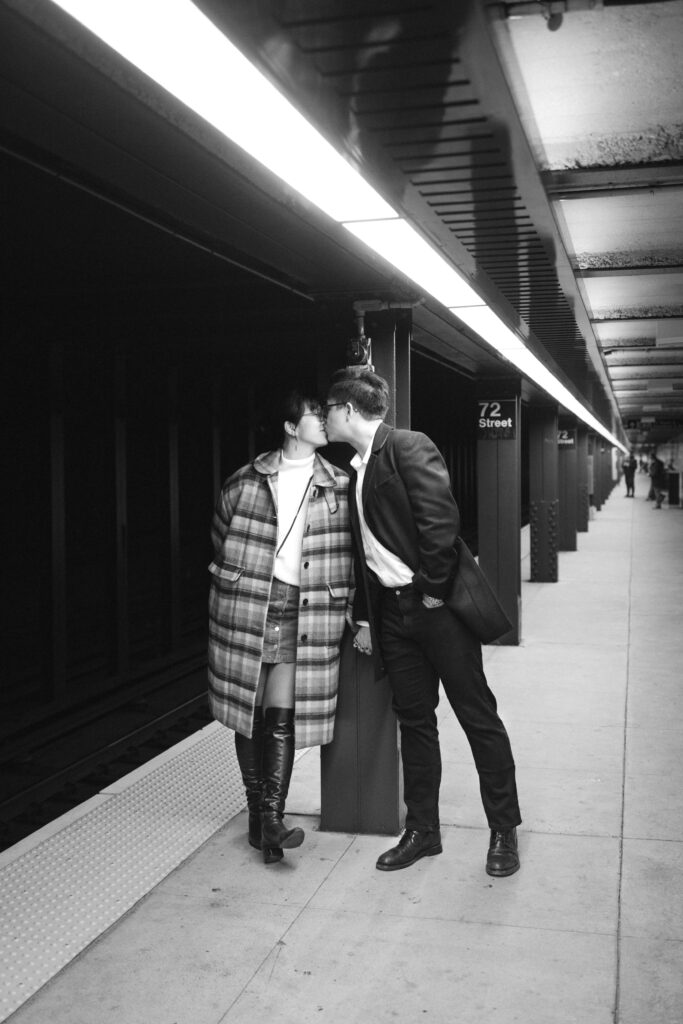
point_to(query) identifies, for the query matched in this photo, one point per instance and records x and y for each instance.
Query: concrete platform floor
(589, 931)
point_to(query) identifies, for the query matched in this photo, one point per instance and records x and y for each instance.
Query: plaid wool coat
(244, 535)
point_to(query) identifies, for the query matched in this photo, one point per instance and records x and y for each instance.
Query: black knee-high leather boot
(249, 752)
(278, 759)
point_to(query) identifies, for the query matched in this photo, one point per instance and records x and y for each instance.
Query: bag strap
(296, 516)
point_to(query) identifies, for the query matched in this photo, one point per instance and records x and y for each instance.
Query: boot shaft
(278, 756)
(278, 760)
(249, 750)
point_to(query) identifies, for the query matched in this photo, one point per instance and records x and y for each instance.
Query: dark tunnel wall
(137, 374)
(119, 430)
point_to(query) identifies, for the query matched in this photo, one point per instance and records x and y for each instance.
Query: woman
(277, 608)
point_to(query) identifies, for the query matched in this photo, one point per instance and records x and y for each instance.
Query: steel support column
(543, 493)
(601, 472)
(582, 492)
(594, 488)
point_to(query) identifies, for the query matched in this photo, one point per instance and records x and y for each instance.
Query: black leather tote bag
(473, 600)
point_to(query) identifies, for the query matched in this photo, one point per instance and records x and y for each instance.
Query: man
(658, 478)
(405, 523)
(630, 465)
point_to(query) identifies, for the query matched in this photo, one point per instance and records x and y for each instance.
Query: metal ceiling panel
(617, 295)
(603, 90)
(637, 332)
(642, 228)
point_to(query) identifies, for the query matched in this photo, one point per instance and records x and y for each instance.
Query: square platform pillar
(568, 485)
(499, 507)
(543, 493)
(361, 776)
(582, 481)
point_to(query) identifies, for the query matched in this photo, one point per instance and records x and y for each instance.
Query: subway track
(42, 781)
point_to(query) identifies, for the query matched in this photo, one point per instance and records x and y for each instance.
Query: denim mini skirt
(282, 618)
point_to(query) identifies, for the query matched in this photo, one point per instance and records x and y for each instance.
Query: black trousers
(421, 646)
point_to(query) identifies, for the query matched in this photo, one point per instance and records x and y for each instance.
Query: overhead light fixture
(177, 46)
(491, 328)
(497, 334)
(401, 245)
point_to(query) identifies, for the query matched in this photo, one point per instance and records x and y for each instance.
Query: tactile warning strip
(60, 895)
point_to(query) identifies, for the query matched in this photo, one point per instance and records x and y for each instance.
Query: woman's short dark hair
(364, 388)
(278, 410)
(295, 404)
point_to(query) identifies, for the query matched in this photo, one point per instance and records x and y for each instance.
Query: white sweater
(294, 478)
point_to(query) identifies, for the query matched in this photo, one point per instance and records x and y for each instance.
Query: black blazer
(409, 507)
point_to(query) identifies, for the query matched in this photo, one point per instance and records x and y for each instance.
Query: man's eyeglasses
(331, 405)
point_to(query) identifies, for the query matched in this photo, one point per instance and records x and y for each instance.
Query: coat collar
(381, 436)
(268, 464)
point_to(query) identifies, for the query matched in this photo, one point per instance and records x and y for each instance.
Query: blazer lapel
(353, 505)
(355, 521)
(377, 445)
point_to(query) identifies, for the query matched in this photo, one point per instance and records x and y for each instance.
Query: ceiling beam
(611, 181)
(624, 320)
(631, 271)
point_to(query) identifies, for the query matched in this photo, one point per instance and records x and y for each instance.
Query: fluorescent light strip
(497, 334)
(173, 43)
(178, 47)
(401, 245)
(533, 368)
(491, 328)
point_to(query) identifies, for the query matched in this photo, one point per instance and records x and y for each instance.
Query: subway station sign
(497, 420)
(566, 438)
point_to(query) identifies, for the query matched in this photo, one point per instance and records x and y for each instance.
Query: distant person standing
(629, 467)
(658, 479)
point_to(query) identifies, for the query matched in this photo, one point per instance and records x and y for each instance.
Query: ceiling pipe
(359, 348)
(524, 8)
(555, 9)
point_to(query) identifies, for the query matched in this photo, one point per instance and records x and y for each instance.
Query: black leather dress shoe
(411, 846)
(502, 858)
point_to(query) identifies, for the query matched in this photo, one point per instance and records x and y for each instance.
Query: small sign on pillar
(497, 420)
